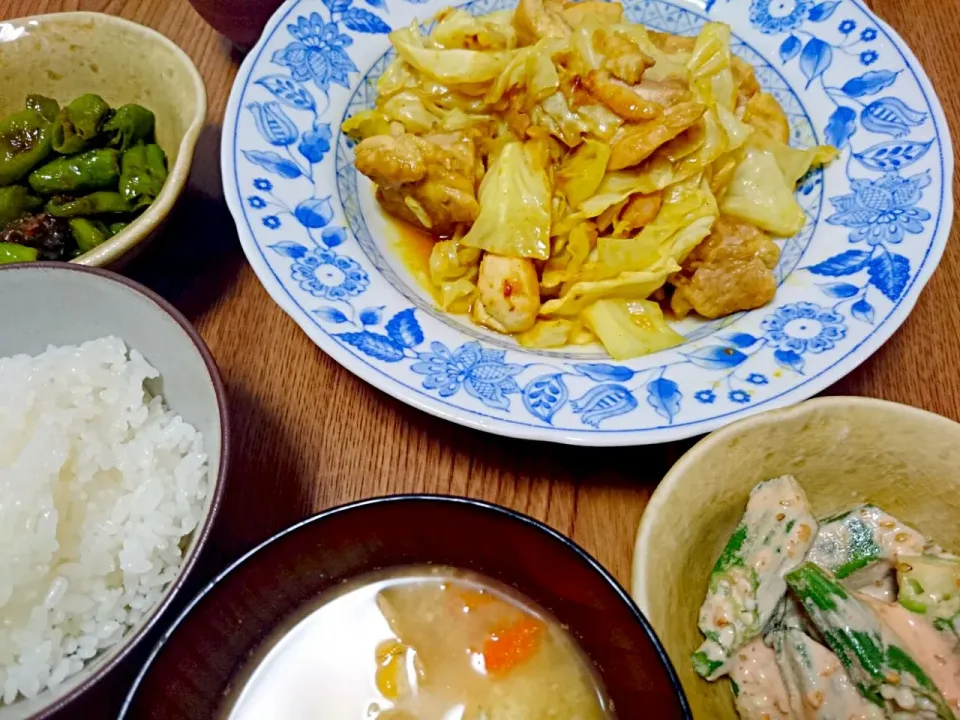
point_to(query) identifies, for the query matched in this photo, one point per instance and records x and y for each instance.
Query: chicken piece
(635, 143)
(619, 98)
(731, 270)
(624, 58)
(763, 112)
(537, 19)
(639, 211)
(509, 291)
(428, 181)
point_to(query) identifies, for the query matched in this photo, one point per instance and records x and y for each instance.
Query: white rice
(99, 484)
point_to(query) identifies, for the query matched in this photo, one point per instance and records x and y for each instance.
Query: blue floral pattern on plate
(879, 219)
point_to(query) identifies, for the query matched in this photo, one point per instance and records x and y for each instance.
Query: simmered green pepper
(13, 253)
(143, 170)
(79, 123)
(89, 171)
(129, 126)
(15, 202)
(116, 227)
(48, 107)
(88, 233)
(24, 144)
(98, 203)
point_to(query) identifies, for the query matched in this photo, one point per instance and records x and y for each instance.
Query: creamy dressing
(790, 676)
(778, 529)
(893, 536)
(762, 695)
(817, 685)
(935, 652)
(868, 534)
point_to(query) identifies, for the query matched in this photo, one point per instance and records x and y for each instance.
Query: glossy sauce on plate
(423, 643)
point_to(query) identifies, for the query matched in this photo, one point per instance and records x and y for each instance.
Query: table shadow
(196, 256)
(643, 464)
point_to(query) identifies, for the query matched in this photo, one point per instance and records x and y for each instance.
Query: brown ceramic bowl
(241, 21)
(64, 55)
(193, 664)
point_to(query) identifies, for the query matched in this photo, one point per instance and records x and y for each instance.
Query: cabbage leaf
(582, 171)
(449, 66)
(515, 201)
(532, 69)
(713, 83)
(760, 194)
(629, 329)
(548, 334)
(461, 30)
(629, 285)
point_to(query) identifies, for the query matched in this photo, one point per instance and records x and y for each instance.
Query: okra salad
(850, 617)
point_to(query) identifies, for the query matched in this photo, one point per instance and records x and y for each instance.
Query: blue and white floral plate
(879, 221)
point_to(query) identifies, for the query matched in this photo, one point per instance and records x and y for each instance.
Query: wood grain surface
(308, 435)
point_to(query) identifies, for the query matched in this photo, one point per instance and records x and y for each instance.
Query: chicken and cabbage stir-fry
(579, 171)
(852, 617)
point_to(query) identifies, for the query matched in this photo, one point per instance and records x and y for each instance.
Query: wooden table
(308, 435)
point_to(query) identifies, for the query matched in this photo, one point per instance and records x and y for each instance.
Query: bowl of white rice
(113, 451)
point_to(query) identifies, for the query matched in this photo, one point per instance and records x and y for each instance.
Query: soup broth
(425, 643)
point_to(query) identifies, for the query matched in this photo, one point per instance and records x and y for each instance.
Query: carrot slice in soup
(504, 649)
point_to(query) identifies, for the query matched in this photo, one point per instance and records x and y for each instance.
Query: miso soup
(424, 643)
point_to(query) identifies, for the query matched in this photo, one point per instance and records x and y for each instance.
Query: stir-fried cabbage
(627, 285)
(515, 200)
(582, 171)
(449, 65)
(712, 81)
(761, 188)
(630, 328)
(459, 29)
(548, 334)
(531, 69)
(596, 163)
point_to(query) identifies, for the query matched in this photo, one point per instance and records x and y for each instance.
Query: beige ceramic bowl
(63, 304)
(843, 450)
(69, 54)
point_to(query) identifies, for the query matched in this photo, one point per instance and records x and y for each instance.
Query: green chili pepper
(88, 233)
(98, 203)
(15, 202)
(13, 253)
(116, 227)
(143, 170)
(79, 123)
(129, 126)
(92, 170)
(24, 144)
(48, 107)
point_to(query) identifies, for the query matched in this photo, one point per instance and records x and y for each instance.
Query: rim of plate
(508, 427)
